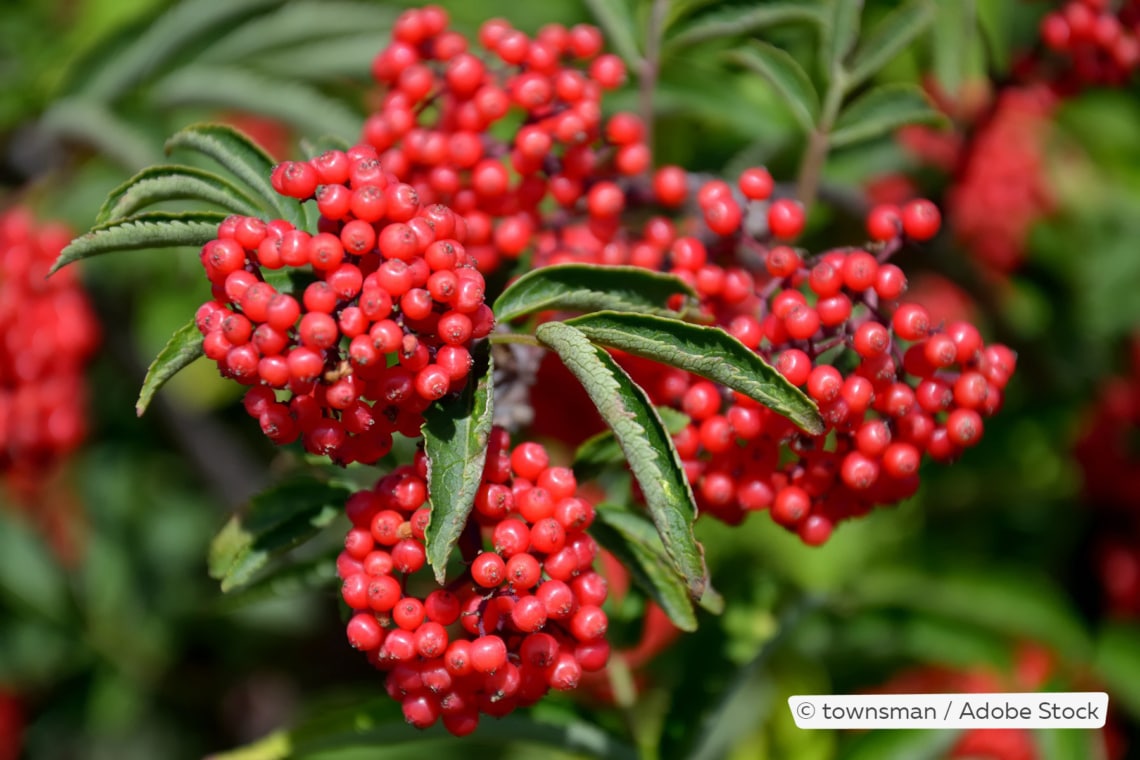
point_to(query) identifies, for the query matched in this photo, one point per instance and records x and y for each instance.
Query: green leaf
(296, 23)
(371, 729)
(163, 39)
(95, 125)
(882, 110)
(169, 182)
(602, 450)
(321, 60)
(32, 581)
(902, 744)
(297, 104)
(741, 20)
(633, 539)
(1064, 744)
(840, 31)
(289, 580)
(888, 38)
(586, 287)
(706, 351)
(151, 229)
(456, 434)
(184, 346)
(955, 48)
(616, 20)
(242, 157)
(787, 77)
(1117, 664)
(278, 519)
(1008, 602)
(647, 446)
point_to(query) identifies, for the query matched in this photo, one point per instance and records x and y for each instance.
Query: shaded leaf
(296, 23)
(290, 580)
(955, 47)
(648, 448)
(184, 346)
(32, 581)
(321, 60)
(230, 87)
(740, 20)
(456, 435)
(840, 32)
(167, 183)
(278, 519)
(616, 20)
(1000, 601)
(162, 40)
(372, 727)
(888, 38)
(882, 110)
(601, 450)
(787, 77)
(586, 287)
(903, 744)
(150, 229)
(243, 157)
(1117, 664)
(95, 125)
(633, 539)
(706, 351)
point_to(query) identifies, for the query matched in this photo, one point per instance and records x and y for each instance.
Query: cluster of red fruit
(523, 618)
(382, 329)
(444, 108)
(49, 333)
(890, 384)
(1102, 45)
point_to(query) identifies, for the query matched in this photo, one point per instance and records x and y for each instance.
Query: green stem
(651, 66)
(525, 339)
(819, 140)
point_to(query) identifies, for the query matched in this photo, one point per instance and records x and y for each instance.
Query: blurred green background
(124, 648)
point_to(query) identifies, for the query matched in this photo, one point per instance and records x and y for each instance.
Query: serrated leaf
(888, 38)
(1117, 663)
(166, 182)
(882, 110)
(706, 351)
(602, 450)
(162, 40)
(184, 346)
(243, 157)
(840, 31)
(787, 77)
(278, 519)
(297, 23)
(647, 446)
(740, 20)
(150, 229)
(297, 104)
(95, 125)
(321, 60)
(616, 20)
(633, 539)
(456, 434)
(585, 287)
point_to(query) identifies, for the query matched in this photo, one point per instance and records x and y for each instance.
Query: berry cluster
(49, 333)
(382, 328)
(524, 617)
(445, 109)
(1001, 187)
(1101, 45)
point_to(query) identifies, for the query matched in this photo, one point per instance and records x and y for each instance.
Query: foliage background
(124, 648)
